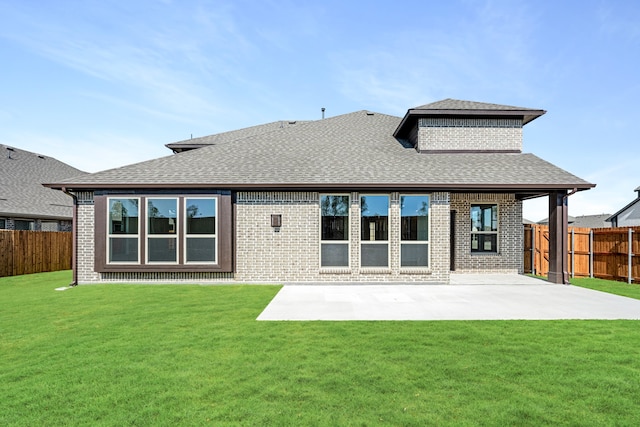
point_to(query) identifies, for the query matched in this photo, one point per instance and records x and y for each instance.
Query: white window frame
(496, 232)
(148, 235)
(376, 242)
(200, 236)
(416, 242)
(348, 239)
(122, 236)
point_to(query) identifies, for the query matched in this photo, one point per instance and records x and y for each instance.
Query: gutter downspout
(74, 236)
(565, 214)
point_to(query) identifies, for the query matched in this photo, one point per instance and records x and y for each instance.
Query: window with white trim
(200, 230)
(334, 230)
(174, 231)
(123, 232)
(414, 229)
(484, 228)
(162, 230)
(374, 230)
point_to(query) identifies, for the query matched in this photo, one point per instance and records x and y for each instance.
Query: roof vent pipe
(322, 109)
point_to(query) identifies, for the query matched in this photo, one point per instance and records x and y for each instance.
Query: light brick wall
(264, 253)
(85, 236)
(293, 252)
(469, 134)
(440, 236)
(509, 258)
(290, 254)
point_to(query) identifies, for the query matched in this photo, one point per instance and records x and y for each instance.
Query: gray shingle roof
(234, 135)
(584, 221)
(458, 104)
(349, 151)
(21, 192)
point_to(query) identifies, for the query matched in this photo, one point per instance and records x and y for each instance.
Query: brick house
(358, 197)
(24, 203)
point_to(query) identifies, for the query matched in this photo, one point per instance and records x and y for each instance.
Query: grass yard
(610, 286)
(140, 355)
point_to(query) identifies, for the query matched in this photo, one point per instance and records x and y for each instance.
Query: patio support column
(558, 265)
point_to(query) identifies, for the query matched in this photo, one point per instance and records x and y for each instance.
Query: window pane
(161, 216)
(201, 216)
(374, 211)
(162, 250)
(334, 255)
(484, 242)
(414, 255)
(123, 249)
(414, 214)
(374, 255)
(335, 217)
(201, 249)
(484, 218)
(335, 228)
(123, 216)
(3, 223)
(20, 224)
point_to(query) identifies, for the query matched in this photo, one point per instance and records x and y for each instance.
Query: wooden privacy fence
(25, 252)
(605, 253)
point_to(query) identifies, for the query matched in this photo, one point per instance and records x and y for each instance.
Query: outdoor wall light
(276, 221)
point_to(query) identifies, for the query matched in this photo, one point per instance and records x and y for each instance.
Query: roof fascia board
(343, 186)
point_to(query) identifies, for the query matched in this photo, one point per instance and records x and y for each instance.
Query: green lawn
(194, 355)
(620, 288)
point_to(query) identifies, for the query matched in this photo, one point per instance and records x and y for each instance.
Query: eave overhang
(533, 190)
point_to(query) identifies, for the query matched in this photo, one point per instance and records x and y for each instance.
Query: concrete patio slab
(537, 300)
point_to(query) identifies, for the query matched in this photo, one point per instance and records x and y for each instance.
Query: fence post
(533, 250)
(573, 252)
(630, 256)
(591, 253)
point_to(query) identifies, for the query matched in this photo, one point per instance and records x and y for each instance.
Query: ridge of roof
(234, 135)
(459, 104)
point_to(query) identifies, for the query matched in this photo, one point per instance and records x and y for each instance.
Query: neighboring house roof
(584, 221)
(234, 135)
(351, 151)
(627, 207)
(21, 192)
(590, 221)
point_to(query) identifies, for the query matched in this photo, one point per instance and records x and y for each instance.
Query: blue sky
(101, 84)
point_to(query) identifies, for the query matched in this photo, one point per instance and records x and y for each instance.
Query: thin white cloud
(483, 53)
(170, 65)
